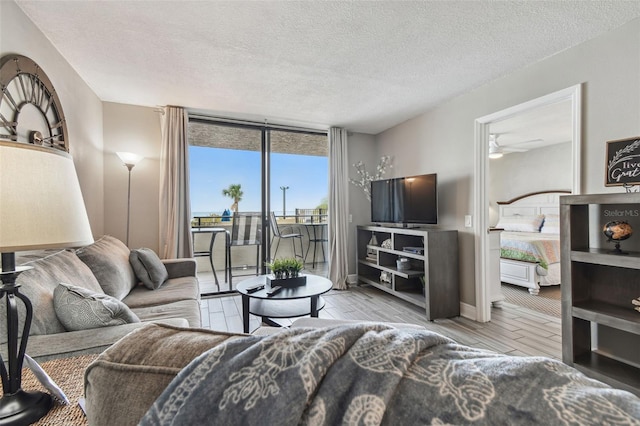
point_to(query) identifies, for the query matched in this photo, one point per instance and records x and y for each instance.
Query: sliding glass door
(299, 189)
(251, 168)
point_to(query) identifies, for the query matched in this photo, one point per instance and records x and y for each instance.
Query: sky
(214, 169)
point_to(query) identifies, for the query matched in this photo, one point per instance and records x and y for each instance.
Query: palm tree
(234, 191)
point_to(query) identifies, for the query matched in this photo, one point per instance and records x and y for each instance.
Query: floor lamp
(130, 160)
(41, 207)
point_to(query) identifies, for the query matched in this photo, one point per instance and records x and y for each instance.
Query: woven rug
(68, 373)
(547, 301)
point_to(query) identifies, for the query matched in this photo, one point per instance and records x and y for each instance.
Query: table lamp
(41, 207)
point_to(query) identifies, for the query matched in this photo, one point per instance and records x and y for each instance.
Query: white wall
(442, 140)
(134, 129)
(82, 108)
(519, 173)
(360, 147)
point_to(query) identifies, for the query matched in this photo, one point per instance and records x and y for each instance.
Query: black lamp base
(24, 408)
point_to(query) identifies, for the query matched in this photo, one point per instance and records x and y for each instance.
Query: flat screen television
(405, 200)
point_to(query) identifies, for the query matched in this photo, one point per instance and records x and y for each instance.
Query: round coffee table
(287, 303)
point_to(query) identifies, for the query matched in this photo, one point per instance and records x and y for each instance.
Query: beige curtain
(175, 207)
(338, 208)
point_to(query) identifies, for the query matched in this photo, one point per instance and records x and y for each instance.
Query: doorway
(484, 256)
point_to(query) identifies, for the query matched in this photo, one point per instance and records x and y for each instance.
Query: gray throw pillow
(80, 309)
(39, 283)
(148, 268)
(108, 259)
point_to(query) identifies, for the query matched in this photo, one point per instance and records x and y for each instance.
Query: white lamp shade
(129, 158)
(41, 204)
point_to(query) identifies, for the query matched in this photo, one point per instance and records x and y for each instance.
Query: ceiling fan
(497, 151)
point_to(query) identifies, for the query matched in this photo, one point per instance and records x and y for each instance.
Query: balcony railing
(244, 257)
(300, 216)
(311, 215)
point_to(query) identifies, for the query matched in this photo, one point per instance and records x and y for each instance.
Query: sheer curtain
(175, 207)
(338, 208)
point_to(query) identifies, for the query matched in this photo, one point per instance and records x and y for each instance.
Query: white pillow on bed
(551, 224)
(521, 223)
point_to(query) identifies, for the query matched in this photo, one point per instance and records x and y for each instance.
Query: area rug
(546, 302)
(68, 373)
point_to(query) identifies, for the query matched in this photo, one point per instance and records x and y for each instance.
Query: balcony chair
(246, 230)
(275, 228)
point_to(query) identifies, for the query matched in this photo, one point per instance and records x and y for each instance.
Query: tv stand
(411, 226)
(437, 264)
(400, 225)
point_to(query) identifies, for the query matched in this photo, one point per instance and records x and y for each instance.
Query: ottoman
(124, 381)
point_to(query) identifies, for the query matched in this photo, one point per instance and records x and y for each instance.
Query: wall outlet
(350, 218)
(468, 221)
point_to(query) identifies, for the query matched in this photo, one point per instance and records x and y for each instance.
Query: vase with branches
(365, 178)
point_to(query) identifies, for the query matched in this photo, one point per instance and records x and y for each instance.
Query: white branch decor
(365, 178)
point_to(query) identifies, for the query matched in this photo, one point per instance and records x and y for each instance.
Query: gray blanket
(374, 374)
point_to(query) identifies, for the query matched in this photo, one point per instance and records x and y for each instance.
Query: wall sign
(623, 162)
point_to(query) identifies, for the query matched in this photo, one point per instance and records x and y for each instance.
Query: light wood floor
(513, 330)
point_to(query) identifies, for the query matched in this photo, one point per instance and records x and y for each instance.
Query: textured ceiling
(365, 66)
(536, 128)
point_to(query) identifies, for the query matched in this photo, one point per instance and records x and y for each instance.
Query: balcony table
(317, 234)
(214, 232)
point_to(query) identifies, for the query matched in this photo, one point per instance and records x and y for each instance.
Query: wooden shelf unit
(600, 328)
(438, 263)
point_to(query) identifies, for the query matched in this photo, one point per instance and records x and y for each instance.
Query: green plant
(324, 204)
(285, 268)
(275, 265)
(294, 266)
(234, 191)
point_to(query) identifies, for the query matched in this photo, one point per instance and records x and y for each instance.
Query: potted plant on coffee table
(285, 273)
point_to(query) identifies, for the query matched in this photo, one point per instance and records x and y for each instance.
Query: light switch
(468, 221)
(350, 218)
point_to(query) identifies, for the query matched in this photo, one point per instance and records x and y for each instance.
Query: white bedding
(531, 259)
(528, 249)
(531, 247)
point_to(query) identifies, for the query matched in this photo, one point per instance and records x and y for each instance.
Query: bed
(530, 242)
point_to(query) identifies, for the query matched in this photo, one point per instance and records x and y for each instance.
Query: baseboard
(468, 311)
(352, 279)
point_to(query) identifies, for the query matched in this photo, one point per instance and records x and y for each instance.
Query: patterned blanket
(374, 374)
(530, 247)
